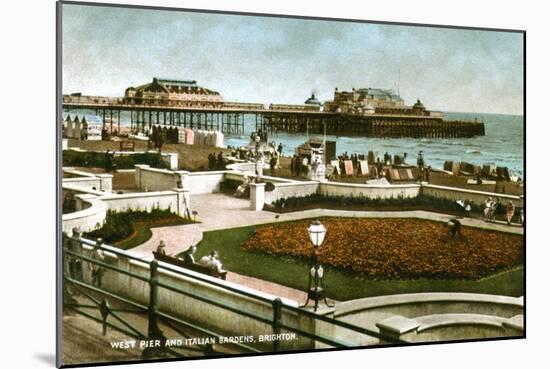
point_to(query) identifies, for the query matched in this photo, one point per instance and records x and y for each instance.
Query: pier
(229, 118)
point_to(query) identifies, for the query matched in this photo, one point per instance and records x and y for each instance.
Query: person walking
(510, 210)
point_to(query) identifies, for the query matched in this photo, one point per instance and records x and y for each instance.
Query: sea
(502, 145)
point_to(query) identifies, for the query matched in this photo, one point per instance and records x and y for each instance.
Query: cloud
(270, 59)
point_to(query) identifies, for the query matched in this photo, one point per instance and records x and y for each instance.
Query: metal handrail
(222, 285)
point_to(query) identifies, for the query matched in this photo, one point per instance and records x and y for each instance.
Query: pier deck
(228, 117)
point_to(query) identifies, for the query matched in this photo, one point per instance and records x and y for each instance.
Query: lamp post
(316, 288)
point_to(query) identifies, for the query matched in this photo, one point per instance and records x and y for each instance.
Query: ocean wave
(474, 152)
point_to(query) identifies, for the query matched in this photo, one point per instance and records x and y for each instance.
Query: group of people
(492, 207)
(261, 135)
(211, 261)
(216, 162)
(299, 166)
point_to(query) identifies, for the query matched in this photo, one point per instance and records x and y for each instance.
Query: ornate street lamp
(316, 288)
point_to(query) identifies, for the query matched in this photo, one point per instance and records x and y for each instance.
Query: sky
(283, 60)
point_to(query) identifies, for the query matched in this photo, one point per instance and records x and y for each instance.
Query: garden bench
(191, 266)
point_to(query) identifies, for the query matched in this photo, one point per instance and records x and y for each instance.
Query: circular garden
(394, 248)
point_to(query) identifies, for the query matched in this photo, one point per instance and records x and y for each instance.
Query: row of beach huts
(198, 137)
(82, 127)
(89, 127)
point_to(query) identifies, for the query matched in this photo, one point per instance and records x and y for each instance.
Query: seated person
(160, 248)
(188, 257)
(212, 261)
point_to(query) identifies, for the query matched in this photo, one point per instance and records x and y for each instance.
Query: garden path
(219, 211)
(177, 239)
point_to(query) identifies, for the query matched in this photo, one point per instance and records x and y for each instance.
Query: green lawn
(131, 228)
(293, 272)
(142, 232)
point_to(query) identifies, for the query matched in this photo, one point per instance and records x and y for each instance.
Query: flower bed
(395, 248)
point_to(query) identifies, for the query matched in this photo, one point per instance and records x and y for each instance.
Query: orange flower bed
(395, 248)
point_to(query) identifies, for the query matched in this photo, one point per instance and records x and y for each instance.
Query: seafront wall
(478, 197)
(209, 182)
(369, 191)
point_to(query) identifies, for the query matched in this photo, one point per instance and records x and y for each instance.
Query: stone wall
(425, 317)
(417, 304)
(369, 191)
(87, 181)
(153, 179)
(88, 219)
(478, 197)
(92, 209)
(301, 189)
(293, 189)
(203, 182)
(192, 309)
(171, 199)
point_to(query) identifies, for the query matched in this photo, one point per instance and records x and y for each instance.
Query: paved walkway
(218, 211)
(177, 239)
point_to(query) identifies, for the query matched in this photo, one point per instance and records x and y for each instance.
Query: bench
(191, 266)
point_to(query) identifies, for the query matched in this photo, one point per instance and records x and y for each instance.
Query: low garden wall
(478, 197)
(245, 167)
(87, 181)
(89, 218)
(153, 179)
(92, 209)
(201, 313)
(425, 317)
(335, 189)
(369, 191)
(418, 304)
(203, 182)
(292, 189)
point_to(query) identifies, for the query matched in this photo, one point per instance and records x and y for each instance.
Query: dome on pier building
(418, 105)
(313, 100)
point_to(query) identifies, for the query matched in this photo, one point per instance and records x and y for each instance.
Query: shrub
(120, 225)
(399, 203)
(99, 159)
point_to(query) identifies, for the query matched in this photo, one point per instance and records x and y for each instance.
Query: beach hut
(202, 137)
(218, 137)
(69, 127)
(400, 175)
(212, 138)
(75, 132)
(172, 135)
(181, 135)
(189, 136)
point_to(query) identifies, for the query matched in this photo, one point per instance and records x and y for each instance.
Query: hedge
(100, 160)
